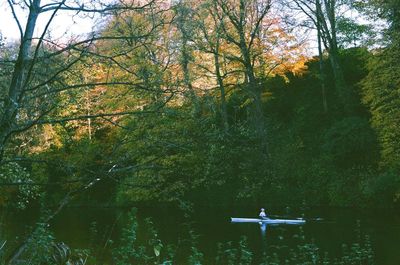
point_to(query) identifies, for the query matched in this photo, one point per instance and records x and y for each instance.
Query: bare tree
(241, 24)
(183, 21)
(323, 15)
(33, 88)
(209, 41)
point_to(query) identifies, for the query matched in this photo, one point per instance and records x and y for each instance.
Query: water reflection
(263, 228)
(73, 226)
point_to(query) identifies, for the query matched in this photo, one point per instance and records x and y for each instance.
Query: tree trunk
(343, 90)
(326, 22)
(16, 89)
(185, 55)
(321, 62)
(255, 91)
(224, 112)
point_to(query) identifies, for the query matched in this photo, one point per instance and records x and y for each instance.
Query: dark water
(85, 227)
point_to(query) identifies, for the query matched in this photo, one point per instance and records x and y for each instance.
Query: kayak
(268, 221)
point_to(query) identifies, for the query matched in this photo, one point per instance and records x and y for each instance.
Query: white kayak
(268, 221)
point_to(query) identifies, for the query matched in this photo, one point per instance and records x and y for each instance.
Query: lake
(328, 228)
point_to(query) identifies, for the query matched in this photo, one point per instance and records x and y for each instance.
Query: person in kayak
(262, 214)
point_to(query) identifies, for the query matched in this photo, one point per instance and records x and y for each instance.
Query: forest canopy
(208, 101)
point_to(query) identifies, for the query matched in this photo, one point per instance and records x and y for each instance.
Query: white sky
(63, 26)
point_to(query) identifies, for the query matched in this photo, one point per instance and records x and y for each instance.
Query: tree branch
(21, 34)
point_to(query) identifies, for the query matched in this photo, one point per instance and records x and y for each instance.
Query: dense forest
(212, 102)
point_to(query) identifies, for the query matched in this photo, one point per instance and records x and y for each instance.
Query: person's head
(262, 210)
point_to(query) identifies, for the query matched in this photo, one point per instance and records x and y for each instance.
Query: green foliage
(126, 252)
(351, 142)
(196, 256)
(314, 155)
(380, 93)
(353, 34)
(74, 165)
(42, 249)
(130, 251)
(380, 89)
(382, 187)
(317, 157)
(166, 156)
(320, 157)
(176, 148)
(13, 193)
(309, 253)
(230, 253)
(180, 151)
(40, 245)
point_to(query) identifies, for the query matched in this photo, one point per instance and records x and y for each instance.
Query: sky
(62, 28)
(66, 24)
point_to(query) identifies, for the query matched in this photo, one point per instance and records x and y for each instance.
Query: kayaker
(262, 214)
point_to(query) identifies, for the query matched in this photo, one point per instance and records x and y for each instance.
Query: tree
(46, 77)
(241, 23)
(31, 83)
(325, 16)
(210, 42)
(183, 20)
(381, 86)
